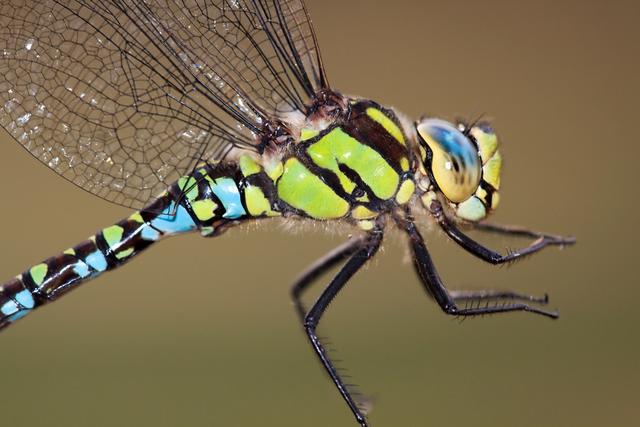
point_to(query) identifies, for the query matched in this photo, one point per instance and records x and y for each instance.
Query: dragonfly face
(464, 165)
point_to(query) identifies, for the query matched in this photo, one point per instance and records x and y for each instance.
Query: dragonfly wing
(122, 97)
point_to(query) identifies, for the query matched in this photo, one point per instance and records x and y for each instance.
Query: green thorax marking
(337, 147)
(367, 150)
(305, 191)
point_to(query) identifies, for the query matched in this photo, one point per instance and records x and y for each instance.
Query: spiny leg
(482, 295)
(368, 249)
(447, 300)
(496, 296)
(515, 230)
(321, 266)
(489, 255)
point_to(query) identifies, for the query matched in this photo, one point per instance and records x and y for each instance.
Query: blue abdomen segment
(174, 219)
(227, 191)
(15, 301)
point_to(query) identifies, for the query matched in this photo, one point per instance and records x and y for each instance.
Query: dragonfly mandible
(205, 114)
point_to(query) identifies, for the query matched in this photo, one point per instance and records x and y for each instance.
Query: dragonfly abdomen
(208, 200)
(48, 280)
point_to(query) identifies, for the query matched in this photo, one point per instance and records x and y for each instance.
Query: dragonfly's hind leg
(448, 301)
(318, 268)
(541, 241)
(494, 295)
(359, 252)
(495, 298)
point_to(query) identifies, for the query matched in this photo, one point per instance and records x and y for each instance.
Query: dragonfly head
(463, 164)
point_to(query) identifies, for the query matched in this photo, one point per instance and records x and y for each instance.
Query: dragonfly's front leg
(503, 301)
(541, 239)
(360, 252)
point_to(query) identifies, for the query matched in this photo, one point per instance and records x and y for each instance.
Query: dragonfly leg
(494, 297)
(504, 301)
(318, 268)
(359, 257)
(541, 239)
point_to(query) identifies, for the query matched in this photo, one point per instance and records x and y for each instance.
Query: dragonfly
(201, 115)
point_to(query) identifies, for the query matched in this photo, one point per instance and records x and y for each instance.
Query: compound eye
(455, 163)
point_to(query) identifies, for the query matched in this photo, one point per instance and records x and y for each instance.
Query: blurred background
(201, 332)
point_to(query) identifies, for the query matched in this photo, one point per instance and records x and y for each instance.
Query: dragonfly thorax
(351, 159)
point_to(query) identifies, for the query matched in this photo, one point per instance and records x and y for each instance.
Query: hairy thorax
(355, 164)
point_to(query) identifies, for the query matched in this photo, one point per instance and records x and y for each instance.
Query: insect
(204, 114)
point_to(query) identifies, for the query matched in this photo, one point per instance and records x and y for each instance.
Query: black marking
(262, 181)
(372, 134)
(456, 165)
(490, 190)
(326, 175)
(374, 204)
(109, 254)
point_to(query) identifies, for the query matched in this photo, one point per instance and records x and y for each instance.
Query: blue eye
(455, 164)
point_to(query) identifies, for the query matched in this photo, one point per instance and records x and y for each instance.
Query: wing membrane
(122, 97)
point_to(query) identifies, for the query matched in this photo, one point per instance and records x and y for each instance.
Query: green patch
(306, 134)
(204, 209)
(405, 192)
(113, 235)
(124, 254)
(307, 192)
(188, 184)
(248, 165)
(38, 273)
(137, 218)
(491, 170)
(337, 147)
(257, 203)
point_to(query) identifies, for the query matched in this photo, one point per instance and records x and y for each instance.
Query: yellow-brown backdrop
(201, 332)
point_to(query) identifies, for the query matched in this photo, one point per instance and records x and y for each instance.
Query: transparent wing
(122, 97)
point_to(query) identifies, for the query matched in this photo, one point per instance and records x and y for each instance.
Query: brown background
(201, 332)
